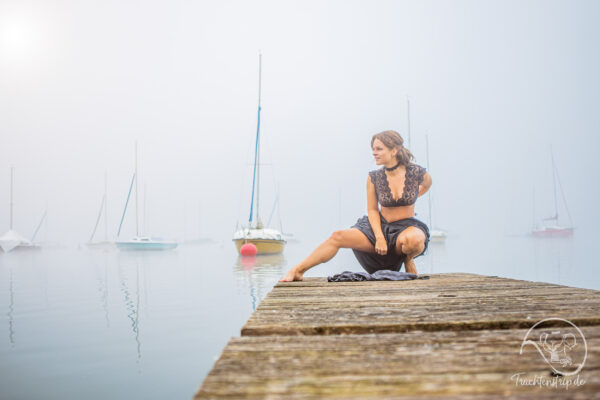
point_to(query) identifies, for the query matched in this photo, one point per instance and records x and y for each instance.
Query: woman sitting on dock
(388, 237)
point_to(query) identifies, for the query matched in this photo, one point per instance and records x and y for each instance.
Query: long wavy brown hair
(393, 140)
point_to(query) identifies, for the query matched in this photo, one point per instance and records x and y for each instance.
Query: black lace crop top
(412, 179)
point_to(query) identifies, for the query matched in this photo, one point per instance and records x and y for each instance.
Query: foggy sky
(492, 83)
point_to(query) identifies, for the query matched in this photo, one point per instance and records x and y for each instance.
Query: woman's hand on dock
(292, 275)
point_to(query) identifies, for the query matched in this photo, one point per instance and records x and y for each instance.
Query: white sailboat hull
(553, 231)
(8, 245)
(145, 244)
(11, 240)
(267, 241)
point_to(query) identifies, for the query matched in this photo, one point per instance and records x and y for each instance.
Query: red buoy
(248, 250)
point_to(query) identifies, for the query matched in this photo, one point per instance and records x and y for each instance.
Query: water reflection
(135, 270)
(436, 251)
(132, 308)
(174, 303)
(553, 258)
(259, 274)
(522, 257)
(11, 331)
(102, 278)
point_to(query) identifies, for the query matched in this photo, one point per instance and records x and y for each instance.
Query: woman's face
(383, 155)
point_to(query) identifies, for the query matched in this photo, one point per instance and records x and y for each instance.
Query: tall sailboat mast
(554, 185)
(436, 235)
(12, 172)
(429, 195)
(144, 226)
(39, 225)
(140, 242)
(554, 228)
(258, 144)
(408, 118)
(256, 175)
(105, 207)
(137, 217)
(556, 179)
(264, 240)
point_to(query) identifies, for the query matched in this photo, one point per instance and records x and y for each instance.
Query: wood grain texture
(454, 336)
(412, 364)
(446, 301)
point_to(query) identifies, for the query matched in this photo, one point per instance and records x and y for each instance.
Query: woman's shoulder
(375, 174)
(415, 165)
(376, 171)
(416, 171)
(416, 168)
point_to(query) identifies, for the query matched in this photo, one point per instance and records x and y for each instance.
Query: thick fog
(493, 84)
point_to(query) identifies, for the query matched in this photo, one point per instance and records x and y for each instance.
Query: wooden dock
(450, 336)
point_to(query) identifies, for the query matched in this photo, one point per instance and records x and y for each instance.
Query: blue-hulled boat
(139, 242)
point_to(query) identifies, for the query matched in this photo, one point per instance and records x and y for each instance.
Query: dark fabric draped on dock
(381, 275)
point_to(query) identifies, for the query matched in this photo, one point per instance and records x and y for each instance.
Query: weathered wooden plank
(431, 297)
(446, 301)
(452, 336)
(434, 280)
(443, 364)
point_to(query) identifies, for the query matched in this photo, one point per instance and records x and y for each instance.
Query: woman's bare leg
(411, 242)
(349, 238)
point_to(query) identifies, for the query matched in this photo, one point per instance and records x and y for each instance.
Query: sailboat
(550, 226)
(11, 239)
(102, 212)
(266, 240)
(35, 244)
(139, 242)
(435, 235)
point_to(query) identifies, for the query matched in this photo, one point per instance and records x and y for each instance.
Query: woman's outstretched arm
(375, 218)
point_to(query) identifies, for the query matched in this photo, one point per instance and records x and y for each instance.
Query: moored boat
(12, 240)
(105, 243)
(436, 235)
(550, 227)
(145, 243)
(266, 240)
(139, 242)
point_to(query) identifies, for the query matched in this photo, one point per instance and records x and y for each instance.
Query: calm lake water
(105, 324)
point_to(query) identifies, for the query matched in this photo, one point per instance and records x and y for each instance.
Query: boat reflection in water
(259, 273)
(138, 284)
(131, 302)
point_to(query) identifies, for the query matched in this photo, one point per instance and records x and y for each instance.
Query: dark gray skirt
(372, 262)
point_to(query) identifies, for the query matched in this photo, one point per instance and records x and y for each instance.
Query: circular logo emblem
(560, 343)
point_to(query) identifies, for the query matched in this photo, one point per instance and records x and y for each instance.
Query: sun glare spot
(17, 40)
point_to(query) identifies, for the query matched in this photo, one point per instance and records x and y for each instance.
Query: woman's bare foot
(292, 275)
